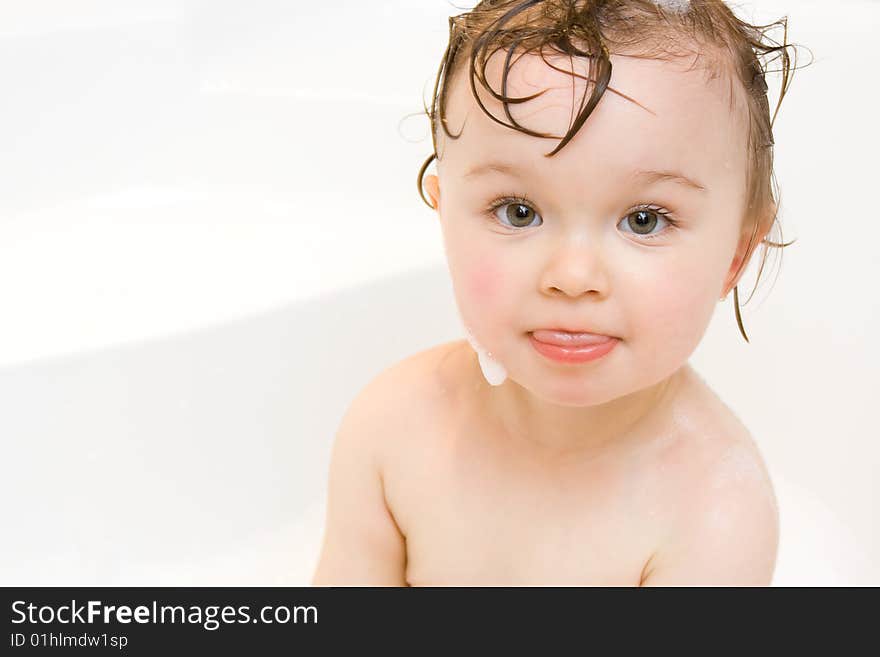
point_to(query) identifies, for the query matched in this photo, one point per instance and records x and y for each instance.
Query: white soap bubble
(493, 371)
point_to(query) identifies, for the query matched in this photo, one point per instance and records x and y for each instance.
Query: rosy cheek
(484, 282)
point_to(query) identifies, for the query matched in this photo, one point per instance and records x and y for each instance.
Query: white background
(210, 238)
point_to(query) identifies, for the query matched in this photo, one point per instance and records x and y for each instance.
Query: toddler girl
(604, 176)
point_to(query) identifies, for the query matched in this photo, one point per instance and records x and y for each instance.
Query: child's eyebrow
(489, 167)
(669, 176)
(649, 176)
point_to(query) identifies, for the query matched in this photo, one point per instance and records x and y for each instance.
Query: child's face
(580, 254)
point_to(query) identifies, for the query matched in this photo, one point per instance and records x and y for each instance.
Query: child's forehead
(666, 104)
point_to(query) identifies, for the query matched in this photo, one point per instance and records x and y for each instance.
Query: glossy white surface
(210, 239)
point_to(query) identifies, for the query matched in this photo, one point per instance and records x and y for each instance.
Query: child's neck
(561, 431)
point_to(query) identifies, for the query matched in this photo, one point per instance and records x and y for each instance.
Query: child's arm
(728, 537)
(362, 543)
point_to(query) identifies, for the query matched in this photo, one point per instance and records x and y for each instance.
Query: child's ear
(432, 186)
(729, 281)
(741, 255)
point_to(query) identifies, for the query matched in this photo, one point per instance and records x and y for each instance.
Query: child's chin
(571, 394)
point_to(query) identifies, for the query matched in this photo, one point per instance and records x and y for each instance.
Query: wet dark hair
(595, 29)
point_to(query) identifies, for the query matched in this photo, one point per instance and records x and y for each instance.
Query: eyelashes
(648, 209)
(524, 209)
(508, 200)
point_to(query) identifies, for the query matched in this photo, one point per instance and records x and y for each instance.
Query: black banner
(151, 621)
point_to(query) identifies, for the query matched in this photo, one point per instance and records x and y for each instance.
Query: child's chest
(474, 514)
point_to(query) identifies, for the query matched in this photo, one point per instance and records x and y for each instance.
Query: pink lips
(571, 347)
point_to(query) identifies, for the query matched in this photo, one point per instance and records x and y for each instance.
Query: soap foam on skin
(493, 371)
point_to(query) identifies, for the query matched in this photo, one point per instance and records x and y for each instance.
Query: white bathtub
(203, 258)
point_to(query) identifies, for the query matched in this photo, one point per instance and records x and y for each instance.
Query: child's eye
(644, 219)
(516, 212)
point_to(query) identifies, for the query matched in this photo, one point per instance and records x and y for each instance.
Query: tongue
(564, 339)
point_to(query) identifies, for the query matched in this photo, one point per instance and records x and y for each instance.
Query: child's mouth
(567, 347)
(566, 338)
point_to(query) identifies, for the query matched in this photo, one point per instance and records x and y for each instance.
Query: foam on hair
(678, 6)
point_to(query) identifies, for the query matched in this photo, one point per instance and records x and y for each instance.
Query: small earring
(739, 321)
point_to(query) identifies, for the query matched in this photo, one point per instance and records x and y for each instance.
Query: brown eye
(516, 214)
(643, 221)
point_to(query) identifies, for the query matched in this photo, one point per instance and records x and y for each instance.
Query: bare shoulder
(414, 388)
(714, 449)
(726, 524)
(364, 542)
(419, 376)
(425, 361)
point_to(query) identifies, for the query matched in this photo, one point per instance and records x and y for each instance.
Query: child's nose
(574, 268)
